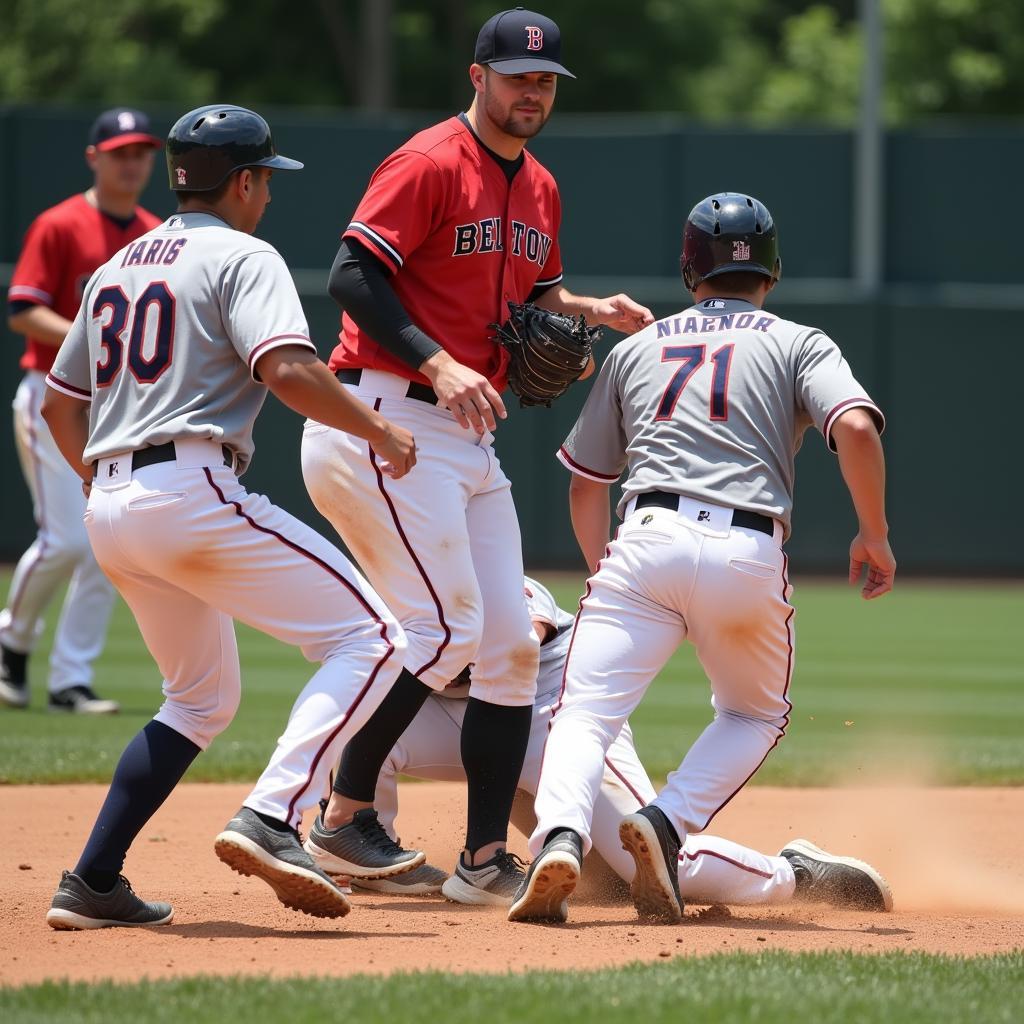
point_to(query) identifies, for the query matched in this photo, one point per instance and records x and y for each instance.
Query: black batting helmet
(728, 232)
(208, 143)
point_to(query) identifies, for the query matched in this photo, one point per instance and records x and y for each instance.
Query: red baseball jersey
(63, 247)
(461, 241)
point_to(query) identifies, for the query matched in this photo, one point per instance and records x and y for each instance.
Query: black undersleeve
(359, 284)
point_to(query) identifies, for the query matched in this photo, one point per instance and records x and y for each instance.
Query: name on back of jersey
(713, 324)
(152, 251)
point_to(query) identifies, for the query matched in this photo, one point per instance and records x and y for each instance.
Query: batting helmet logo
(740, 251)
(181, 175)
(534, 38)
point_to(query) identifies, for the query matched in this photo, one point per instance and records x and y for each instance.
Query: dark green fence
(940, 348)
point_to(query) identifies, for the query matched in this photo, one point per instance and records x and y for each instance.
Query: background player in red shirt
(455, 224)
(63, 246)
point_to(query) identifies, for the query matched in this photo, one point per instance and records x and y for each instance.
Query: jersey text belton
(485, 236)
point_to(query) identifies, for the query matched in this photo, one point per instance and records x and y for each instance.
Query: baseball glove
(548, 351)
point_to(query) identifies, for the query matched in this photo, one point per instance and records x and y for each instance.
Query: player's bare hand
(621, 313)
(468, 394)
(396, 450)
(875, 556)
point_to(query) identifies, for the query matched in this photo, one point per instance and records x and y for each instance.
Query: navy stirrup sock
(150, 767)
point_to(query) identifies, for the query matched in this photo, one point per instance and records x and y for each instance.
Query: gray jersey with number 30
(168, 333)
(713, 403)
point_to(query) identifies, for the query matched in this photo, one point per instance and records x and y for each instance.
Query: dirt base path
(952, 856)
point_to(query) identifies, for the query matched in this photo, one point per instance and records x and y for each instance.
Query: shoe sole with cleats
(551, 881)
(651, 889)
(295, 887)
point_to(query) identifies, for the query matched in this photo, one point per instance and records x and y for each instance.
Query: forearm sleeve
(359, 284)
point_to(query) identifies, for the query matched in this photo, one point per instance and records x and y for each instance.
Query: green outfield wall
(940, 346)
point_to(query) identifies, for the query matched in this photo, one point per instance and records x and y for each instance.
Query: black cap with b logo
(519, 41)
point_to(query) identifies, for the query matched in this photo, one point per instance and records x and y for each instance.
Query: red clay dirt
(951, 855)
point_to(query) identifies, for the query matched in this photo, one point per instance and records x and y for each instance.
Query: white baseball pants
(442, 545)
(664, 580)
(711, 870)
(189, 550)
(60, 553)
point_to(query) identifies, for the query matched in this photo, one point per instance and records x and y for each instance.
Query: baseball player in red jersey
(63, 246)
(455, 224)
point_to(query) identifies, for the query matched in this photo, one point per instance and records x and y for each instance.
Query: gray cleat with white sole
(250, 847)
(76, 907)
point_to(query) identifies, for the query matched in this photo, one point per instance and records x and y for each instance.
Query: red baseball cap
(122, 126)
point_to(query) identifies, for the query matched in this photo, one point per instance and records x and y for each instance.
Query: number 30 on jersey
(156, 301)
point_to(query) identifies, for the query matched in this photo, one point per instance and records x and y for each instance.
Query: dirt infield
(952, 856)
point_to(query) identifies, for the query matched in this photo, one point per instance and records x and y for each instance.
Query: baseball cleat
(80, 700)
(426, 880)
(843, 882)
(13, 695)
(13, 678)
(551, 880)
(360, 849)
(649, 838)
(491, 884)
(76, 907)
(250, 847)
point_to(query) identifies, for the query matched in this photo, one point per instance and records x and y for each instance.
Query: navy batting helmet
(729, 232)
(208, 143)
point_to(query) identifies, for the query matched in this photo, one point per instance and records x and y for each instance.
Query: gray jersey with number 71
(713, 403)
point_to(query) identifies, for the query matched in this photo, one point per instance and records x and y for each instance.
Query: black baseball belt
(421, 392)
(740, 517)
(158, 453)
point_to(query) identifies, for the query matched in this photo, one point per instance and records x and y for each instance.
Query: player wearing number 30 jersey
(705, 411)
(152, 401)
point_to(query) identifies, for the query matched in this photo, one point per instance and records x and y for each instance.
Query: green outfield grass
(840, 988)
(927, 680)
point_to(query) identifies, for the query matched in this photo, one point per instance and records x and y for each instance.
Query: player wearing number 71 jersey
(705, 410)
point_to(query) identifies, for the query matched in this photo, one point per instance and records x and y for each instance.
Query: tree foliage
(765, 60)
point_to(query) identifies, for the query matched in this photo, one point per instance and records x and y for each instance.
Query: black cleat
(843, 882)
(649, 837)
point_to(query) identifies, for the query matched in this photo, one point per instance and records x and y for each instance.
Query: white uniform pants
(711, 870)
(59, 553)
(661, 582)
(189, 550)
(441, 546)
